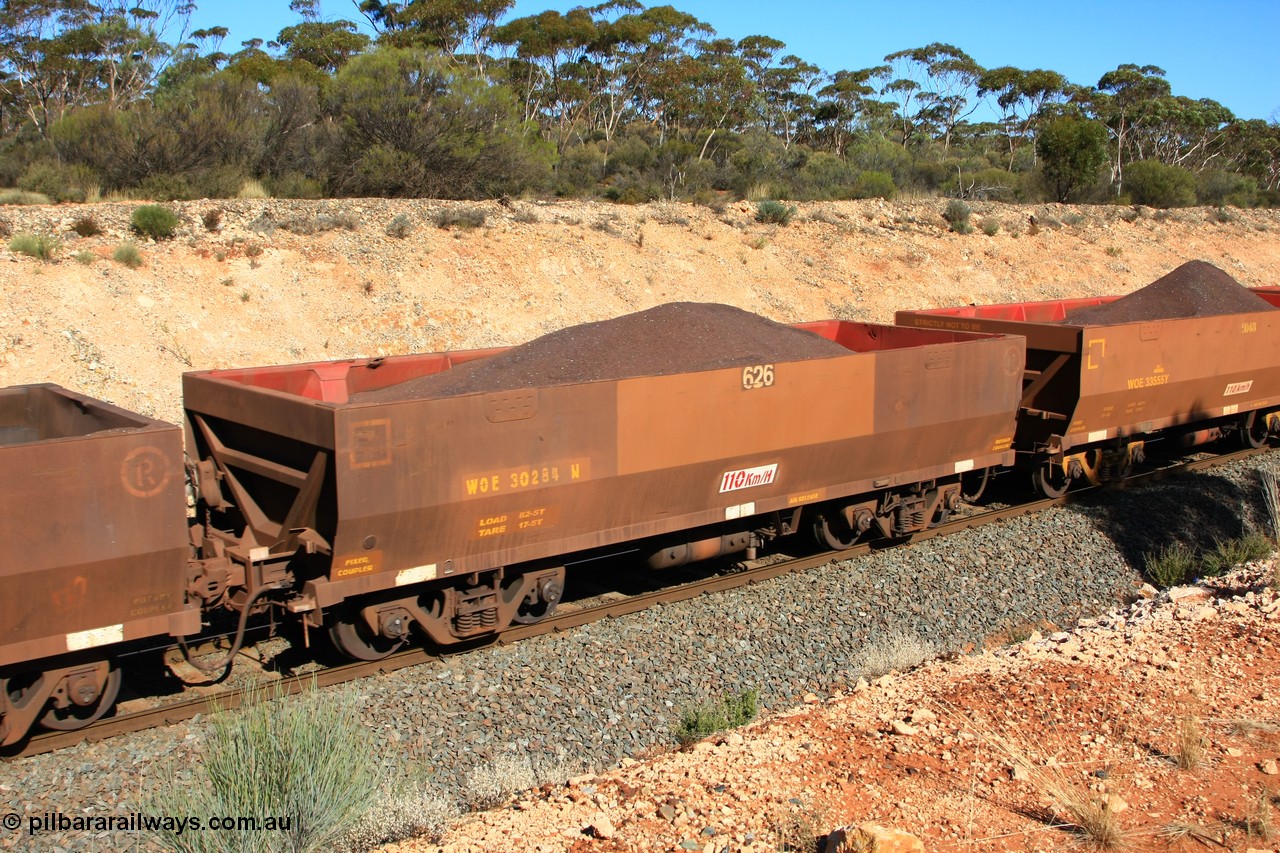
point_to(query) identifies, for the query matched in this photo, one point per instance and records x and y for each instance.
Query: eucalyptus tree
(662, 66)
(1124, 100)
(846, 105)
(460, 29)
(323, 44)
(1022, 97)
(1180, 131)
(550, 68)
(59, 54)
(935, 87)
(1253, 147)
(789, 89)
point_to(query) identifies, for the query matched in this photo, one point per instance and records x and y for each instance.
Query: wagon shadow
(1196, 510)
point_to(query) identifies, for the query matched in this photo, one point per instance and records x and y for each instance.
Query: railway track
(567, 618)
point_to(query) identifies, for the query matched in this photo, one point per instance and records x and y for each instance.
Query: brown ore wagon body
(93, 544)
(481, 496)
(1095, 393)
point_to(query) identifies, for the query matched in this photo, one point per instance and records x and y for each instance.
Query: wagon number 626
(757, 376)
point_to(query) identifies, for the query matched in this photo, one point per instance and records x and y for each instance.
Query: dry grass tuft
(1189, 742)
(251, 189)
(1253, 728)
(1206, 835)
(1261, 821)
(898, 651)
(798, 831)
(1088, 814)
(509, 773)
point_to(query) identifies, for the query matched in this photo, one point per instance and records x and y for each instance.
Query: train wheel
(541, 601)
(1050, 480)
(1253, 430)
(81, 697)
(831, 530)
(352, 636)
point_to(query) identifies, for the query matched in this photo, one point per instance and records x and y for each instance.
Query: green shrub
(295, 185)
(305, 759)
(990, 227)
(993, 183)
(774, 212)
(42, 246)
(1219, 189)
(464, 218)
(703, 720)
(85, 258)
(399, 226)
(1228, 554)
(957, 215)
(23, 197)
(216, 182)
(50, 179)
(1156, 184)
(166, 188)
(154, 221)
(127, 253)
(823, 176)
(320, 223)
(86, 226)
(874, 184)
(1172, 565)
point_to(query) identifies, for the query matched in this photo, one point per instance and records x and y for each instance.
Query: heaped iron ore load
(1192, 356)
(93, 549)
(678, 337)
(1195, 289)
(480, 486)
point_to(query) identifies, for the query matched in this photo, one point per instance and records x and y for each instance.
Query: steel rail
(175, 712)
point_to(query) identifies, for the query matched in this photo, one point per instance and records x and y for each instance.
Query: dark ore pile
(1195, 289)
(679, 337)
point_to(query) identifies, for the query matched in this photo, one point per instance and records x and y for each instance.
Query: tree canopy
(458, 98)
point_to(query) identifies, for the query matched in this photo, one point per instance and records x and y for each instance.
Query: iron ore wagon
(1189, 358)
(448, 490)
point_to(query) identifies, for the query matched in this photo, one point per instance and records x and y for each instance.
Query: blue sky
(1220, 49)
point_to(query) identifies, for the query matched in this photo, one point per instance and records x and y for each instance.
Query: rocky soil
(1014, 749)
(925, 752)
